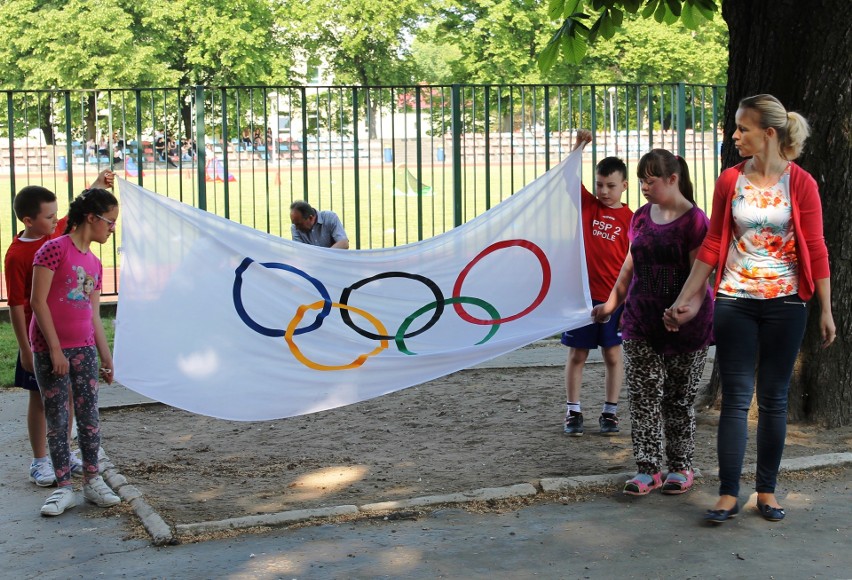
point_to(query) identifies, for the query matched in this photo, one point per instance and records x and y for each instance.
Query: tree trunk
(91, 117)
(802, 53)
(46, 112)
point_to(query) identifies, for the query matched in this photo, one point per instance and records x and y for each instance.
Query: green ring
(400, 334)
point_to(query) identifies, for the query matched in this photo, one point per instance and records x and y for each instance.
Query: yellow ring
(300, 313)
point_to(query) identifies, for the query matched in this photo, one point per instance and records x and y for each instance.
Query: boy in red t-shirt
(605, 225)
(36, 207)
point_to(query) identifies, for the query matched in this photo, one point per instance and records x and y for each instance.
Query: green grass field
(376, 205)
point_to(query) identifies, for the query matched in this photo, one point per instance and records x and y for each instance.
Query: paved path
(600, 536)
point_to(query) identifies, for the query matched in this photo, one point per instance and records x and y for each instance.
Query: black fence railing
(398, 164)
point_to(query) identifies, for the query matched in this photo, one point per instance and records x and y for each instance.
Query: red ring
(545, 281)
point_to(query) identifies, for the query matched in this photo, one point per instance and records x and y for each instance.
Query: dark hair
(664, 163)
(28, 201)
(609, 165)
(91, 201)
(303, 208)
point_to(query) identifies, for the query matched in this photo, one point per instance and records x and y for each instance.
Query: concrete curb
(152, 521)
(274, 519)
(160, 532)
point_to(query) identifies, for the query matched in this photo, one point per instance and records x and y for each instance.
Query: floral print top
(762, 261)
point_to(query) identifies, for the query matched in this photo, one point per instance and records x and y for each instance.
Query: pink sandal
(643, 483)
(678, 482)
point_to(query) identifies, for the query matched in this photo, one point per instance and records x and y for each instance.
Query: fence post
(68, 151)
(10, 111)
(223, 98)
(200, 147)
(356, 167)
(457, 157)
(547, 128)
(486, 106)
(304, 105)
(418, 123)
(681, 119)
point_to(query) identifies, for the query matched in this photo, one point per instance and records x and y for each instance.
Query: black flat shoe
(769, 513)
(720, 516)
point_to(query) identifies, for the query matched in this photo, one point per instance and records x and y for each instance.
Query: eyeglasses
(110, 223)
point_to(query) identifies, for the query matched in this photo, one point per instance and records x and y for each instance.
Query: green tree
(72, 45)
(482, 41)
(365, 42)
(215, 42)
(801, 53)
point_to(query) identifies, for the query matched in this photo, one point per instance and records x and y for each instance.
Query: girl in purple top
(67, 336)
(662, 369)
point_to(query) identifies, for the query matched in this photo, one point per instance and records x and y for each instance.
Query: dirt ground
(472, 429)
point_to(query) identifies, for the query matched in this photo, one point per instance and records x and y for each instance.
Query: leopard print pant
(661, 391)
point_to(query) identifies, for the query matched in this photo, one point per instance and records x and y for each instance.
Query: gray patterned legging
(661, 390)
(82, 381)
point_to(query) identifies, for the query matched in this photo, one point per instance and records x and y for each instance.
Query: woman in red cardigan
(766, 244)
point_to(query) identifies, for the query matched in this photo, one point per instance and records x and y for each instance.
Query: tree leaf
(574, 48)
(674, 6)
(607, 28)
(660, 12)
(649, 9)
(554, 8)
(547, 57)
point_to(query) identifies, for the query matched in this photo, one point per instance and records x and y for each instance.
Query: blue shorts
(596, 334)
(24, 379)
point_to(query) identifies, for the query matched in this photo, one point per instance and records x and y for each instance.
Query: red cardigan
(807, 226)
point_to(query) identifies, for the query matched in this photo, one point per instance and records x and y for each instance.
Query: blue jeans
(762, 337)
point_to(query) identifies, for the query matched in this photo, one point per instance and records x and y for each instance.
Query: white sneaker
(99, 493)
(41, 473)
(59, 501)
(76, 464)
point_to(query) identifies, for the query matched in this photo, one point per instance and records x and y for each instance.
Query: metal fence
(398, 164)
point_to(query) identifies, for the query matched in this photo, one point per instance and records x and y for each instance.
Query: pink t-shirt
(75, 276)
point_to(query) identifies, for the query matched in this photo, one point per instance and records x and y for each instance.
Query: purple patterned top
(660, 268)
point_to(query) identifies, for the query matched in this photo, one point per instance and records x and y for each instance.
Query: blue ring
(241, 311)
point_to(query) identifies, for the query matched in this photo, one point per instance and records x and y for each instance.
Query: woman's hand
(681, 312)
(827, 329)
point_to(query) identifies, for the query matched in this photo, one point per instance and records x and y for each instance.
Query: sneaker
(573, 424)
(99, 493)
(678, 482)
(59, 501)
(643, 483)
(609, 424)
(42, 474)
(76, 464)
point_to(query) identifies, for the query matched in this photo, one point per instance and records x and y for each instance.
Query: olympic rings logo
(379, 333)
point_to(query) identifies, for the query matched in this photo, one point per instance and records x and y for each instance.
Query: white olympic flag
(220, 319)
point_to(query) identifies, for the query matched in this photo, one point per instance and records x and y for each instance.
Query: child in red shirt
(605, 224)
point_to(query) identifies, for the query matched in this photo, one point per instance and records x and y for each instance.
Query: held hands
(682, 312)
(601, 313)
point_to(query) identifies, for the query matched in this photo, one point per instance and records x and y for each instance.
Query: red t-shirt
(18, 267)
(606, 243)
(75, 276)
